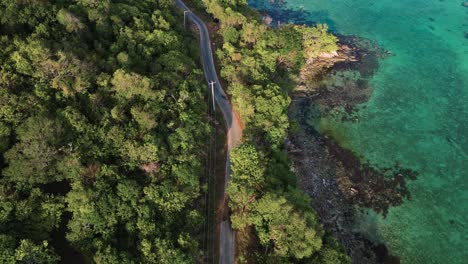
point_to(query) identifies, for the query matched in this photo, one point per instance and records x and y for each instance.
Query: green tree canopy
(282, 227)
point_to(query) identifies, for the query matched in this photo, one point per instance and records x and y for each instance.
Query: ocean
(417, 116)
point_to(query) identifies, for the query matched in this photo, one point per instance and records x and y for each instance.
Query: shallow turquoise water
(417, 116)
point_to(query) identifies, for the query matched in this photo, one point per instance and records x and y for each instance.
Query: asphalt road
(226, 247)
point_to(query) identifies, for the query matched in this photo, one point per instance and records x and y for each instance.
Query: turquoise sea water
(417, 116)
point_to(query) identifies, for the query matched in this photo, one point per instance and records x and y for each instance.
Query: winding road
(234, 130)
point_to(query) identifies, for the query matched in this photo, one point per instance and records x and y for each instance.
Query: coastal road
(234, 130)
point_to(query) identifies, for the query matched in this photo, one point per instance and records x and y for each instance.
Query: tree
(143, 118)
(35, 158)
(112, 255)
(282, 228)
(128, 85)
(317, 40)
(30, 252)
(162, 251)
(4, 137)
(247, 179)
(230, 34)
(71, 22)
(167, 198)
(270, 108)
(7, 249)
(241, 201)
(33, 216)
(251, 32)
(246, 166)
(31, 13)
(14, 109)
(331, 253)
(63, 71)
(242, 101)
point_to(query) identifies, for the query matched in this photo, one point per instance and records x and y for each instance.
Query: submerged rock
(340, 80)
(338, 182)
(334, 177)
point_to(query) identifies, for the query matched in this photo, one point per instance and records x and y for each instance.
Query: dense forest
(102, 128)
(103, 124)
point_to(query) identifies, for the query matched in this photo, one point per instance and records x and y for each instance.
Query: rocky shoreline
(335, 178)
(316, 170)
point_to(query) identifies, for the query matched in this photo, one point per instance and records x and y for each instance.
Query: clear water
(417, 116)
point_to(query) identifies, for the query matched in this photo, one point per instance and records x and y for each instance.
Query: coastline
(316, 169)
(338, 182)
(315, 172)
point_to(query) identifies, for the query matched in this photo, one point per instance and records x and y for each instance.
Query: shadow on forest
(68, 253)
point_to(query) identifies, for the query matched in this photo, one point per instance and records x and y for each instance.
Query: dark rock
(335, 178)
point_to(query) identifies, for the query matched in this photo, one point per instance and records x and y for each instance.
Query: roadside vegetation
(102, 127)
(274, 219)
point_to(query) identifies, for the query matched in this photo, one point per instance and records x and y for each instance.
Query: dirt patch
(239, 120)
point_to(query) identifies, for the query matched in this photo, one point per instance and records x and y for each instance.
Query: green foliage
(40, 145)
(29, 252)
(164, 253)
(246, 167)
(331, 253)
(243, 100)
(280, 226)
(128, 85)
(230, 34)
(4, 137)
(7, 249)
(271, 114)
(25, 13)
(317, 40)
(32, 214)
(101, 130)
(71, 22)
(246, 179)
(241, 201)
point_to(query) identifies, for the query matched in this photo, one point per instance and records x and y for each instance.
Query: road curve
(234, 131)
